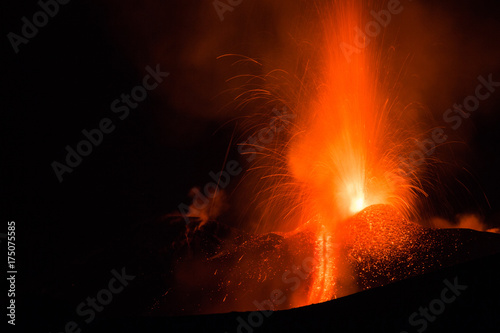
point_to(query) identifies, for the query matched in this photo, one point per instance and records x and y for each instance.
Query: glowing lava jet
(345, 155)
(342, 184)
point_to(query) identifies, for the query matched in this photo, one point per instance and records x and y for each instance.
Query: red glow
(343, 156)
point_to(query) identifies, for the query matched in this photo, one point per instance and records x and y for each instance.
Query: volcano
(215, 269)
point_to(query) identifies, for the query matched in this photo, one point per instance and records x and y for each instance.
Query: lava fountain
(344, 154)
(337, 178)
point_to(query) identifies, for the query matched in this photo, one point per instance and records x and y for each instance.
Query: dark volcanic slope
(219, 269)
(384, 247)
(380, 244)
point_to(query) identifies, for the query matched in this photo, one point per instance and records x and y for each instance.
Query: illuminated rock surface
(223, 269)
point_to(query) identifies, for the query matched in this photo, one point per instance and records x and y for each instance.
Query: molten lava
(344, 153)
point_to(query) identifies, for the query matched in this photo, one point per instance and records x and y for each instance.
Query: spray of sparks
(341, 152)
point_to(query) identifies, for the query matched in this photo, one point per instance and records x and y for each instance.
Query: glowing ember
(367, 243)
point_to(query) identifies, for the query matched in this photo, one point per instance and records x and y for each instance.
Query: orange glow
(324, 283)
(341, 153)
(337, 153)
(357, 203)
(344, 155)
